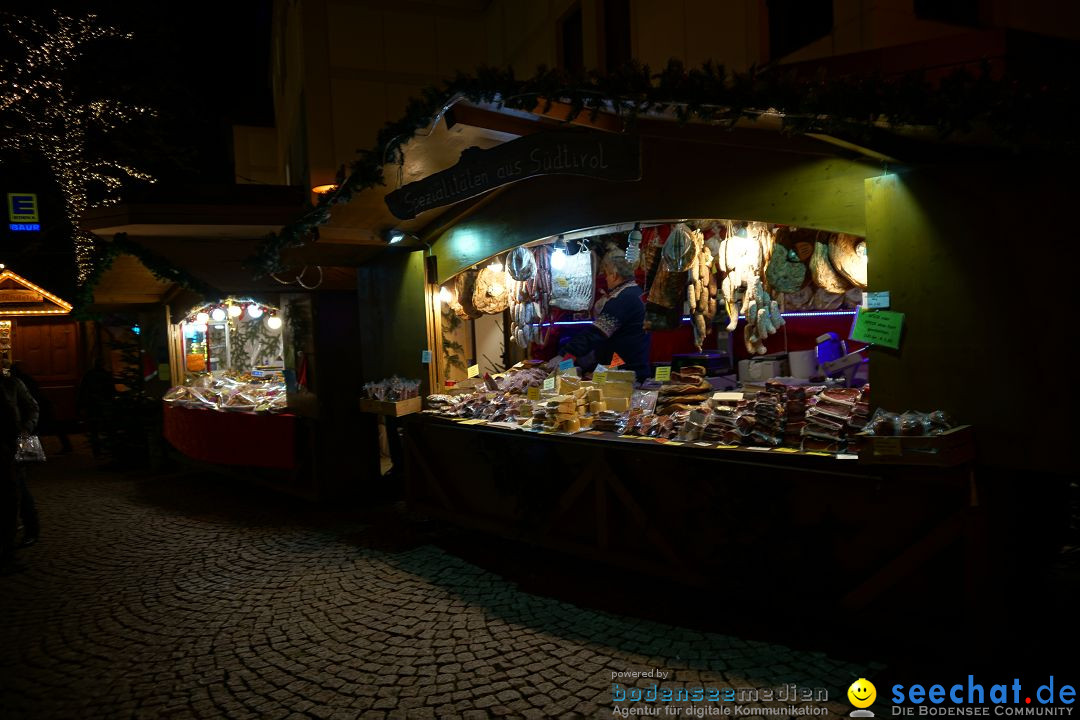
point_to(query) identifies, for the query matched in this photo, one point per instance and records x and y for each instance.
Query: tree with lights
(43, 114)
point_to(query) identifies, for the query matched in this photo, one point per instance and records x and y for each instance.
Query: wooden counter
(838, 530)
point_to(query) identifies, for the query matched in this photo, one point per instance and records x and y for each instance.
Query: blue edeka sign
(23, 212)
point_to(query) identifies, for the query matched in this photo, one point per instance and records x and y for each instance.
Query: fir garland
(1014, 109)
(161, 268)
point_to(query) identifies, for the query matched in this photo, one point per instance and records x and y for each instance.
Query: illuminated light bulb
(202, 318)
(273, 322)
(235, 311)
(218, 315)
(199, 327)
(445, 296)
(633, 244)
(254, 311)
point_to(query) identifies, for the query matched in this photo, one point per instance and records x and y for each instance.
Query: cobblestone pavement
(173, 597)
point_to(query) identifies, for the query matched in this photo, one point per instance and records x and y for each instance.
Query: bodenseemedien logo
(862, 695)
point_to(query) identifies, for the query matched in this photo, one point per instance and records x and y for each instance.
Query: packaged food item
(643, 400)
(939, 421)
(883, 422)
(693, 428)
(914, 423)
(394, 389)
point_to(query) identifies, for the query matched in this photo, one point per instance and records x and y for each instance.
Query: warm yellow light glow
(322, 189)
(273, 322)
(54, 122)
(495, 266)
(202, 318)
(235, 311)
(218, 315)
(7, 274)
(254, 311)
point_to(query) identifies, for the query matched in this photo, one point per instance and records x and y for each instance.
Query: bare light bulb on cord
(202, 318)
(218, 315)
(254, 311)
(273, 322)
(235, 311)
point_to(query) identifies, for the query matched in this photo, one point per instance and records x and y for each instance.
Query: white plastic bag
(572, 282)
(28, 449)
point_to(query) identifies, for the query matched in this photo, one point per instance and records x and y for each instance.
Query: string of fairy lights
(198, 319)
(42, 115)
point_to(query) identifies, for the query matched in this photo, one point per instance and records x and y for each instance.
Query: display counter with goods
(756, 416)
(232, 358)
(230, 407)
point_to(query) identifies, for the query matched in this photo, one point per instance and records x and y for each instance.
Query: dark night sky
(202, 66)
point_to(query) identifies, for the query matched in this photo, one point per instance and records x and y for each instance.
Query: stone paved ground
(180, 596)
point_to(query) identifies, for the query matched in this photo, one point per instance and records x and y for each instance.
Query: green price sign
(879, 327)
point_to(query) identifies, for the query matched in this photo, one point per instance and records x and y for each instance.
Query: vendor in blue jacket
(617, 321)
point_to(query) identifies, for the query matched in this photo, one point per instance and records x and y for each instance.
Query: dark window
(797, 23)
(956, 12)
(617, 50)
(571, 40)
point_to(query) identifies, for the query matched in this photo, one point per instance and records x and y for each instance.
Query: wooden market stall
(37, 332)
(181, 253)
(922, 208)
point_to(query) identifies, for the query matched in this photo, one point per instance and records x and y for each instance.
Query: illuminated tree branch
(41, 114)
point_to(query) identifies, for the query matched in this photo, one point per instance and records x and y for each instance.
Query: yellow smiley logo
(862, 693)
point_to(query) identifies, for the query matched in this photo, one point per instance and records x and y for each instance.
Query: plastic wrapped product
(643, 401)
(883, 423)
(914, 423)
(939, 422)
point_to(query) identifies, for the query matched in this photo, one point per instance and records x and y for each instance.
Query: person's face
(611, 278)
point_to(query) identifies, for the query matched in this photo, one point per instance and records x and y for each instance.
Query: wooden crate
(952, 447)
(395, 409)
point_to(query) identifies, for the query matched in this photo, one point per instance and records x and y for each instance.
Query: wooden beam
(122, 298)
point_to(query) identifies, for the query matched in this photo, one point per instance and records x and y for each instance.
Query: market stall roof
(220, 265)
(365, 219)
(218, 211)
(20, 297)
(209, 232)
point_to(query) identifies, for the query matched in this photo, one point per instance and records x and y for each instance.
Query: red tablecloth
(228, 438)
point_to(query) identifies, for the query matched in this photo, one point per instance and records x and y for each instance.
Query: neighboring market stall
(273, 406)
(37, 331)
(229, 407)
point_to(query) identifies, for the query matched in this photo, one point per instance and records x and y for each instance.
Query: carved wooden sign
(603, 156)
(20, 296)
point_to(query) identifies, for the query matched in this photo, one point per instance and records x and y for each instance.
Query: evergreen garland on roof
(1013, 109)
